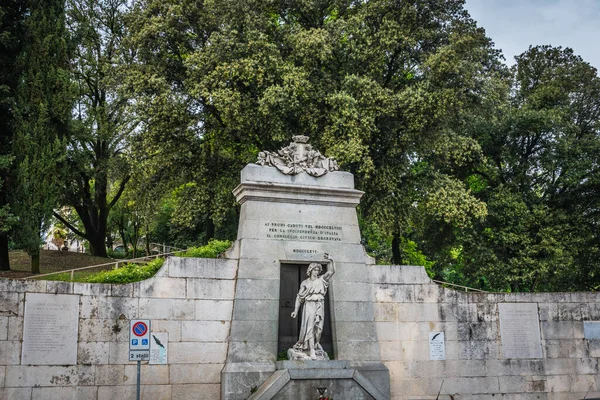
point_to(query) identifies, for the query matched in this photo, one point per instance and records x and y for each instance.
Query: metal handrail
(460, 286)
(116, 264)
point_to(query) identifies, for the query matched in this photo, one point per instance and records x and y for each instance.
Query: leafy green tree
(540, 179)
(97, 159)
(376, 84)
(42, 115)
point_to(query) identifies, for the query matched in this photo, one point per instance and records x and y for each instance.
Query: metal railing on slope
(466, 288)
(115, 263)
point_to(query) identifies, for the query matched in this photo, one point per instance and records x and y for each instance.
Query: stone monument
(295, 208)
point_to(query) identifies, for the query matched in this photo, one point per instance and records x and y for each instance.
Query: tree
(96, 158)
(12, 15)
(376, 84)
(42, 115)
(540, 179)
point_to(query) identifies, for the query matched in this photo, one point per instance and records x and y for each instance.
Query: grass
(52, 261)
(57, 261)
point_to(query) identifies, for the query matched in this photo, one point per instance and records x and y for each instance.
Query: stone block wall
(191, 299)
(408, 306)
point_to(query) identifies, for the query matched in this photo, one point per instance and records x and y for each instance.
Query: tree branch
(68, 225)
(120, 192)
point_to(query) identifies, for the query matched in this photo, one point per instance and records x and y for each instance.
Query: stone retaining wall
(192, 300)
(408, 306)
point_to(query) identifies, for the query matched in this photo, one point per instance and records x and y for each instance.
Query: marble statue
(312, 295)
(298, 157)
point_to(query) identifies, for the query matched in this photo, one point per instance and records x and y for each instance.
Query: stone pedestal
(337, 379)
(295, 219)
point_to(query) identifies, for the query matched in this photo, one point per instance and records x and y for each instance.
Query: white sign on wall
(50, 329)
(159, 342)
(437, 346)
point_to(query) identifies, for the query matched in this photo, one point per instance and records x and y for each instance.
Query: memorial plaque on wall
(437, 346)
(591, 329)
(50, 329)
(520, 330)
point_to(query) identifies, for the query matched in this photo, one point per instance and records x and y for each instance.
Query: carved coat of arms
(298, 157)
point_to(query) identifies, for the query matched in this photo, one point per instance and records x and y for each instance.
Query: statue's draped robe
(312, 295)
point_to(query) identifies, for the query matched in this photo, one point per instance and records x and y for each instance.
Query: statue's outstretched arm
(331, 269)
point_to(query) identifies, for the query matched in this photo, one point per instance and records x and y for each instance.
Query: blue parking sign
(134, 342)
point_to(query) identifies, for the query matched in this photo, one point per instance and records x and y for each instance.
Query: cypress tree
(43, 110)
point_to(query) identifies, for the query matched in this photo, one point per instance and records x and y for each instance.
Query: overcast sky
(513, 25)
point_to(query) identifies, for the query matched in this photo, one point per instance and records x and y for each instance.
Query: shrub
(211, 250)
(128, 273)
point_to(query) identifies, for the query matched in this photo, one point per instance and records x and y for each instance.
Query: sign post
(139, 346)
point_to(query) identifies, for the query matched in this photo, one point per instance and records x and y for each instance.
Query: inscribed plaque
(591, 330)
(520, 330)
(50, 329)
(437, 347)
(158, 347)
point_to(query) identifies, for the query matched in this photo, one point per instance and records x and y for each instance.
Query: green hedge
(211, 250)
(128, 273)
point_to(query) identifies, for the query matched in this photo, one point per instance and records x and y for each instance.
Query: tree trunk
(97, 245)
(124, 240)
(396, 253)
(35, 262)
(4, 260)
(210, 229)
(147, 241)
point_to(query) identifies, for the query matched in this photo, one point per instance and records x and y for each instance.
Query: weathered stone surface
(92, 289)
(199, 373)
(205, 331)
(259, 289)
(255, 268)
(10, 352)
(240, 380)
(206, 268)
(116, 392)
(93, 353)
(15, 393)
(195, 391)
(260, 352)
(150, 374)
(399, 274)
(109, 375)
(163, 288)
(359, 311)
(118, 353)
(42, 375)
(115, 307)
(210, 289)
(175, 309)
(64, 393)
(193, 353)
(213, 310)
(256, 310)
(271, 386)
(253, 331)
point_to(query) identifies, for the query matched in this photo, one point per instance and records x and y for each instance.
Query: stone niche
(292, 220)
